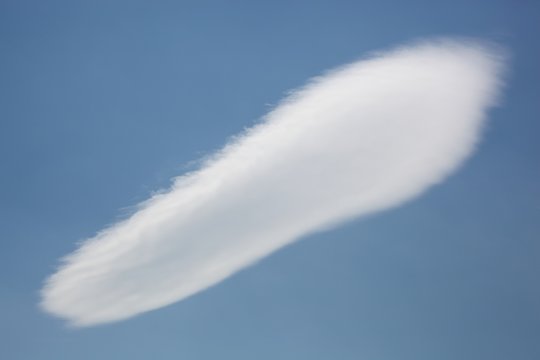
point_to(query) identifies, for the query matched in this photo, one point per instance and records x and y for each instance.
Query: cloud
(363, 138)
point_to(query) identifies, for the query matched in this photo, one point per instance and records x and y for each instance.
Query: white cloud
(363, 138)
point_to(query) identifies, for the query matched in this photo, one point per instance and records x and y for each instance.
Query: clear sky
(103, 102)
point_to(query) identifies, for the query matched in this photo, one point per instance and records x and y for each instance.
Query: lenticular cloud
(363, 138)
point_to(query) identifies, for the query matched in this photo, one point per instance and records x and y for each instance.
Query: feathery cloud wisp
(363, 138)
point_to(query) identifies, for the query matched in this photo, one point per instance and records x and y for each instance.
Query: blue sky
(103, 102)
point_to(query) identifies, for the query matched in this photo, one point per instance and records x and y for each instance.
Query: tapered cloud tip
(362, 138)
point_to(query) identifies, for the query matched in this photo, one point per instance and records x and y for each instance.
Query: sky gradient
(103, 102)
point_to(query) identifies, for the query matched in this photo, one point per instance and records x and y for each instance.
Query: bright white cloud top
(363, 138)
